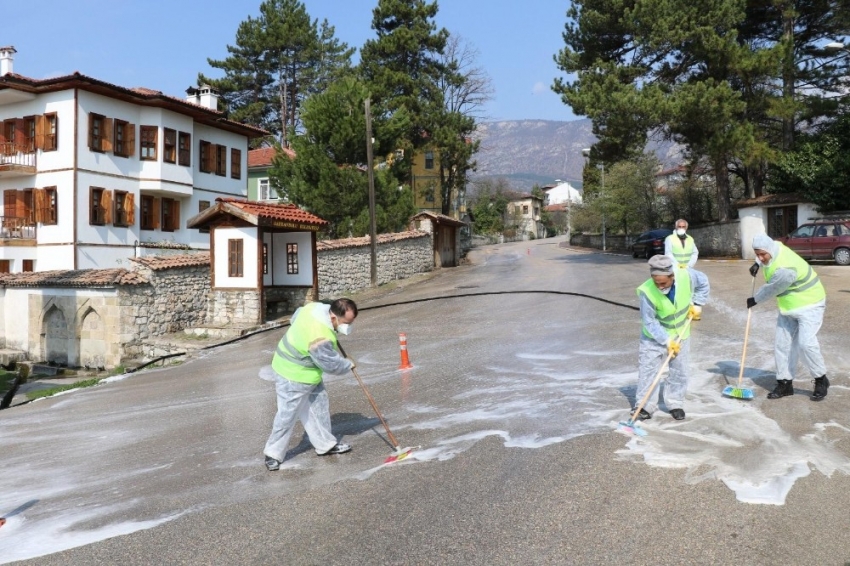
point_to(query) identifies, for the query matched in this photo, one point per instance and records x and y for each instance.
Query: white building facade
(91, 172)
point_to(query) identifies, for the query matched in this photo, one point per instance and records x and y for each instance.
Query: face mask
(680, 231)
(344, 329)
(666, 291)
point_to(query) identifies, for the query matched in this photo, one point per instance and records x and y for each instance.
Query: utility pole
(372, 224)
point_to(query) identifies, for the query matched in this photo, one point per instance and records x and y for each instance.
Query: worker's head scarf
(660, 265)
(766, 243)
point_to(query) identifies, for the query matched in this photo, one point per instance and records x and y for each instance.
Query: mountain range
(539, 152)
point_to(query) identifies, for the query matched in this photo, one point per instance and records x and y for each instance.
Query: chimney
(205, 96)
(7, 55)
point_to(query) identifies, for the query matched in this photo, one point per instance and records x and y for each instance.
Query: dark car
(650, 243)
(821, 239)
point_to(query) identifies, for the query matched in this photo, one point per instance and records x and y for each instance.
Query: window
(525, 209)
(170, 215)
(184, 149)
(169, 147)
(99, 206)
(29, 134)
(124, 213)
(7, 144)
(5, 265)
(45, 206)
(124, 139)
(235, 163)
(429, 160)
(265, 259)
(98, 133)
(147, 144)
(202, 206)
(28, 265)
(29, 206)
(234, 258)
(207, 157)
(291, 259)
(264, 189)
(50, 129)
(150, 213)
(221, 160)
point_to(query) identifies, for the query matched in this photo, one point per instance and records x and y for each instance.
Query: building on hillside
(562, 192)
(446, 234)
(259, 163)
(523, 217)
(93, 173)
(427, 187)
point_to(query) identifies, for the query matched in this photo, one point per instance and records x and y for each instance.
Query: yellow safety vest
(671, 314)
(806, 290)
(291, 358)
(682, 251)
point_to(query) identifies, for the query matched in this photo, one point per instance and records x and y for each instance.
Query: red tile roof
(138, 95)
(774, 199)
(73, 278)
(157, 262)
(264, 156)
(258, 213)
(367, 241)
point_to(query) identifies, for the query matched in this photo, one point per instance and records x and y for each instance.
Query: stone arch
(92, 344)
(56, 336)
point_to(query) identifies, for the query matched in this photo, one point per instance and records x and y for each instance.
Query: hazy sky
(163, 44)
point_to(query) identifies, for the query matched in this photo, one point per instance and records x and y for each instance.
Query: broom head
(399, 454)
(631, 427)
(738, 392)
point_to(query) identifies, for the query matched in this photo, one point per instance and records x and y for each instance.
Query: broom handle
(371, 400)
(744, 353)
(658, 375)
(746, 337)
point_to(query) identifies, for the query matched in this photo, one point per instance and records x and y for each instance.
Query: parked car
(650, 243)
(821, 239)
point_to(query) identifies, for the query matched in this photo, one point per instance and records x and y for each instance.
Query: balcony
(15, 230)
(16, 163)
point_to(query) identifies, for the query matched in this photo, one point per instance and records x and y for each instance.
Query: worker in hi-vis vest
(307, 350)
(680, 246)
(667, 299)
(801, 299)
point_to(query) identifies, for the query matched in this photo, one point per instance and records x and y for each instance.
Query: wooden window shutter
(106, 206)
(130, 140)
(156, 213)
(40, 198)
(175, 214)
(40, 126)
(130, 208)
(92, 218)
(20, 204)
(91, 128)
(107, 134)
(20, 135)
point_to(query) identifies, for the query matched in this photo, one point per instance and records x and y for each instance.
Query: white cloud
(538, 88)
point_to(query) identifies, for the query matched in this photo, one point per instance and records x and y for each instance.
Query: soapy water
(528, 397)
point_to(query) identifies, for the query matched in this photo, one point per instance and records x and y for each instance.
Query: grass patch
(7, 379)
(39, 393)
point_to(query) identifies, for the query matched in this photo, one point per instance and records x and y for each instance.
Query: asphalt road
(512, 405)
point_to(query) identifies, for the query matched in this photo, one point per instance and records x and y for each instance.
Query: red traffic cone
(402, 344)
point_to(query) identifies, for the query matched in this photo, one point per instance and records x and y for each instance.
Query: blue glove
(751, 302)
(754, 268)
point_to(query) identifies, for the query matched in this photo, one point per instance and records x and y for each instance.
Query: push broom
(630, 426)
(742, 392)
(400, 453)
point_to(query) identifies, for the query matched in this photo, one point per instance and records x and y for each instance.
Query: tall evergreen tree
(279, 59)
(328, 175)
(402, 66)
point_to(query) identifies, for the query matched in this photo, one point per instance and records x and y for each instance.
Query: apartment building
(92, 173)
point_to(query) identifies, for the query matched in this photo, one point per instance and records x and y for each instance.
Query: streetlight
(586, 152)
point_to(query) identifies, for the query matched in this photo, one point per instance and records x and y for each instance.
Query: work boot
(678, 414)
(271, 464)
(339, 448)
(644, 415)
(821, 385)
(784, 388)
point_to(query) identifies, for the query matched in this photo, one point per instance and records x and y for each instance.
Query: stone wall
(231, 308)
(175, 298)
(718, 239)
(345, 265)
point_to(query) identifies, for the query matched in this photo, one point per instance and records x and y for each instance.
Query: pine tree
(279, 59)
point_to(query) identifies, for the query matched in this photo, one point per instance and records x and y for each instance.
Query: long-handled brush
(630, 426)
(742, 392)
(400, 453)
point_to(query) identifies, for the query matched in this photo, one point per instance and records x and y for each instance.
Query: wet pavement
(519, 381)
